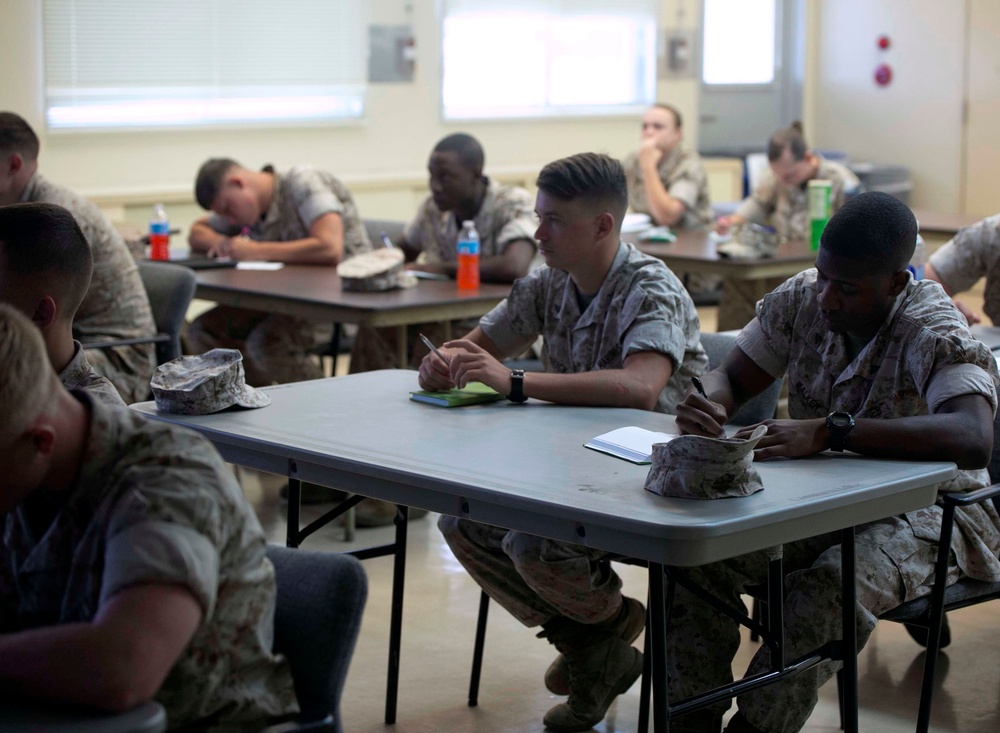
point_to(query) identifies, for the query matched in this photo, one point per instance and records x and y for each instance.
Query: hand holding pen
(697, 414)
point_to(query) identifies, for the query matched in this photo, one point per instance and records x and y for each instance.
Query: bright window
(739, 42)
(512, 58)
(170, 63)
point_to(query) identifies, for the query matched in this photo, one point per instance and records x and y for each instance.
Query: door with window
(752, 68)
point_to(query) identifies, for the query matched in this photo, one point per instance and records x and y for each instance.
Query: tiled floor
(439, 626)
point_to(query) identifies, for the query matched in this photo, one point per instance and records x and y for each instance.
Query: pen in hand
(699, 386)
(388, 244)
(432, 347)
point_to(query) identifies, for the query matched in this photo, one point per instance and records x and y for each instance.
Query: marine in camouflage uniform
(78, 374)
(116, 305)
(640, 307)
(972, 254)
(505, 216)
(276, 347)
(787, 208)
(154, 503)
(683, 175)
(922, 356)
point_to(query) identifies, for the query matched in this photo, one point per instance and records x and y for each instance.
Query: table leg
(402, 353)
(396, 618)
(294, 499)
(739, 301)
(850, 634)
(447, 331)
(658, 647)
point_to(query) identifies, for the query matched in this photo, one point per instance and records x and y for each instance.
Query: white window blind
(539, 58)
(155, 63)
(739, 42)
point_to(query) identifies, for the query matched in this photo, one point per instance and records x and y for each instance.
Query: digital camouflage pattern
(203, 384)
(787, 209)
(683, 174)
(154, 503)
(750, 241)
(922, 356)
(277, 348)
(116, 305)
(641, 306)
(697, 467)
(970, 255)
(78, 374)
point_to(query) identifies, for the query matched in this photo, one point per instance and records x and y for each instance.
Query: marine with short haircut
(45, 271)
(116, 305)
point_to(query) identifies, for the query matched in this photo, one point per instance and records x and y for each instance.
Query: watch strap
(517, 386)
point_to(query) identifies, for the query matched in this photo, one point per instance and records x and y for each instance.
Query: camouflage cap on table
(750, 241)
(200, 385)
(695, 467)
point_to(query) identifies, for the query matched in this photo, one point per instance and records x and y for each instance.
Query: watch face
(840, 420)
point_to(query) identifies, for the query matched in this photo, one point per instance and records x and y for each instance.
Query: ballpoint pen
(385, 240)
(699, 386)
(432, 347)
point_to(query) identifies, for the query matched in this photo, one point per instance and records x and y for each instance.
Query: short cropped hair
(27, 381)
(466, 147)
(678, 122)
(40, 239)
(16, 136)
(788, 138)
(593, 176)
(875, 228)
(211, 176)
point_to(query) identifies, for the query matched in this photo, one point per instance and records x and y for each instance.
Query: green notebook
(473, 394)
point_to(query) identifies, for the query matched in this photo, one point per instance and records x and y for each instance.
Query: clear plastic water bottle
(468, 257)
(919, 258)
(159, 234)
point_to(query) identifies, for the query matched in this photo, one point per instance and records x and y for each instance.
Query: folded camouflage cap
(203, 384)
(750, 241)
(696, 467)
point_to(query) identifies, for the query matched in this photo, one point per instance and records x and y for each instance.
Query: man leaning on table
(878, 364)
(116, 305)
(619, 330)
(131, 566)
(973, 253)
(299, 216)
(459, 192)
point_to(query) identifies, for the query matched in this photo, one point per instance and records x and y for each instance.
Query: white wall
(403, 122)
(917, 119)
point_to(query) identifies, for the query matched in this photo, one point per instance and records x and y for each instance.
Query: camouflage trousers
(276, 348)
(129, 368)
(534, 578)
(893, 566)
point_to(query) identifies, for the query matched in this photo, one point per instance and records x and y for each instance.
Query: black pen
(699, 386)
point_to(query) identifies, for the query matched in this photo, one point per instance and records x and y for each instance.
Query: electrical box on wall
(678, 53)
(391, 53)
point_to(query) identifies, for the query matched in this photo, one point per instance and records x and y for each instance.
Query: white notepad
(632, 443)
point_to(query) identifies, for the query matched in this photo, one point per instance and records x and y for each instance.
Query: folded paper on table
(259, 265)
(631, 443)
(636, 222)
(473, 393)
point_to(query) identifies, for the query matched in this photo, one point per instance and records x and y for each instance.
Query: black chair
(321, 597)
(761, 407)
(170, 289)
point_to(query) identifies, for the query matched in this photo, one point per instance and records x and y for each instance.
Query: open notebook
(632, 443)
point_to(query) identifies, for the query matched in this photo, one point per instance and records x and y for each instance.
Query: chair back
(321, 596)
(170, 289)
(760, 408)
(393, 229)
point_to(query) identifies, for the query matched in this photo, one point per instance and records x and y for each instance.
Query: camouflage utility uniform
(683, 175)
(506, 215)
(640, 307)
(276, 347)
(116, 305)
(78, 374)
(787, 209)
(921, 357)
(972, 254)
(154, 503)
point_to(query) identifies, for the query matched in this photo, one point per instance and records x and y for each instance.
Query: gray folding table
(524, 467)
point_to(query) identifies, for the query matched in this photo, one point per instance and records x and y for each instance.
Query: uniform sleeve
(947, 364)
(844, 182)
(312, 196)
(654, 316)
(767, 339)
(520, 316)
(972, 254)
(518, 220)
(761, 203)
(220, 225)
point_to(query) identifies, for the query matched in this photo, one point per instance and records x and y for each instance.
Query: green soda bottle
(820, 194)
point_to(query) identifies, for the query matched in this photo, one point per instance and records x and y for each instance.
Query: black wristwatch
(517, 386)
(839, 424)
